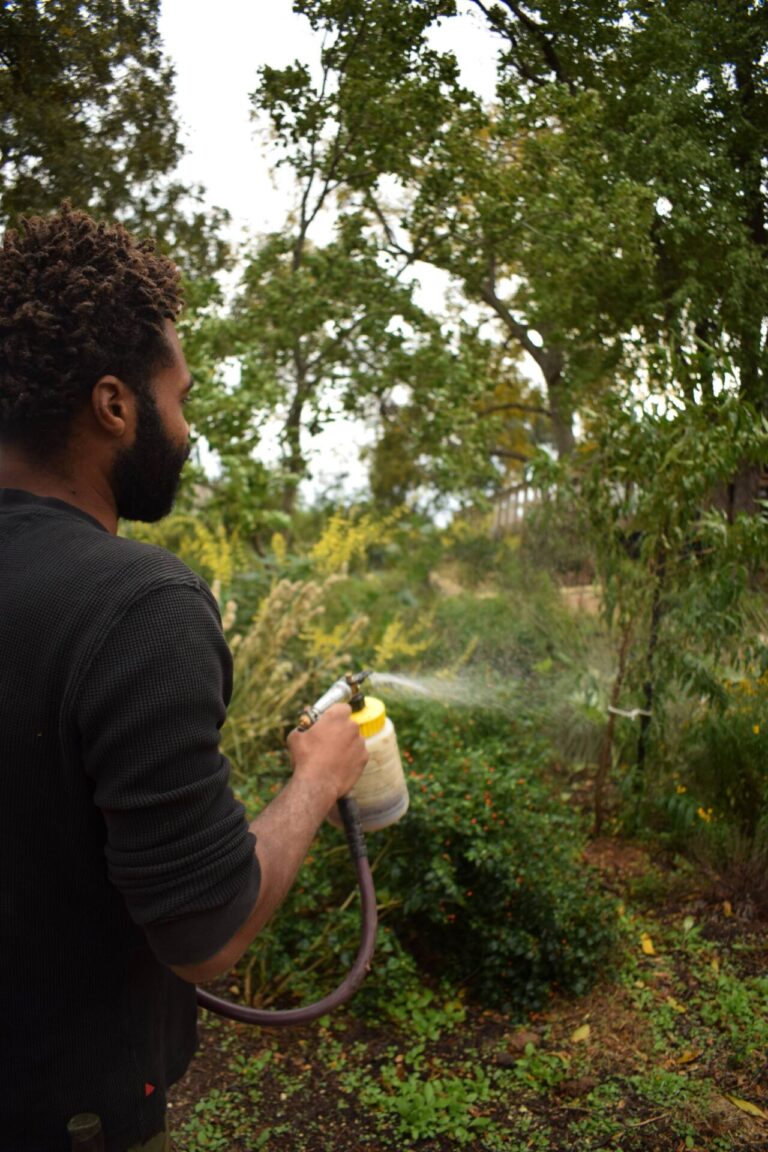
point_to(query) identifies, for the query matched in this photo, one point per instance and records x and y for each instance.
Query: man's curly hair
(78, 300)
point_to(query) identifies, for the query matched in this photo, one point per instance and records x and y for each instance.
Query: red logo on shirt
(148, 1089)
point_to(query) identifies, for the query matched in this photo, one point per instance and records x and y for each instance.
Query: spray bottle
(379, 798)
(381, 793)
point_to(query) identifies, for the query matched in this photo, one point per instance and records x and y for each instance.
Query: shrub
(506, 636)
(481, 883)
(475, 555)
(494, 891)
(555, 538)
(736, 864)
(728, 745)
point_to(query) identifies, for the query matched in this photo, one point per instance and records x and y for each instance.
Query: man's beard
(145, 477)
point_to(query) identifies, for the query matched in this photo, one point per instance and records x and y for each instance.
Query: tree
(330, 326)
(86, 104)
(87, 114)
(326, 329)
(469, 419)
(434, 389)
(678, 579)
(608, 211)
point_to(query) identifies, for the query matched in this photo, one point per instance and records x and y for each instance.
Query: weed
(540, 1069)
(207, 1127)
(737, 1009)
(422, 1014)
(665, 1089)
(426, 1101)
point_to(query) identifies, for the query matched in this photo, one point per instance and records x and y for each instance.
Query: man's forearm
(284, 831)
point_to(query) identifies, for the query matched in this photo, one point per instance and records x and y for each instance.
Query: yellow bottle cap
(371, 718)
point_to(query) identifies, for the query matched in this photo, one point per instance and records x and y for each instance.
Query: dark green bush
(728, 755)
(476, 556)
(311, 943)
(481, 884)
(495, 894)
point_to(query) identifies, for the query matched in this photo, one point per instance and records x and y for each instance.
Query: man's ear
(112, 403)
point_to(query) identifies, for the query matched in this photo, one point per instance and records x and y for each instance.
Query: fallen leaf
(727, 908)
(647, 944)
(581, 1034)
(747, 1106)
(688, 1056)
(678, 1007)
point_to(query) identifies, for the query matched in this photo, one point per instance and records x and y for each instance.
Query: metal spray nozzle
(343, 691)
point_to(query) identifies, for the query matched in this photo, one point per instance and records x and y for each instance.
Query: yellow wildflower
(396, 644)
(279, 547)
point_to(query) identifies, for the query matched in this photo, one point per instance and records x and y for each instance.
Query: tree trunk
(551, 361)
(293, 458)
(605, 755)
(649, 687)
(560, 407)
(748, 153)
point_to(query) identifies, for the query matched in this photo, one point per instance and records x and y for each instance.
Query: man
(127, 869)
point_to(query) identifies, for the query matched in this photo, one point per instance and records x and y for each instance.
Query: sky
(217, 49)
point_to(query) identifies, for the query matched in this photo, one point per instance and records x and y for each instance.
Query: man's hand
(331, 753)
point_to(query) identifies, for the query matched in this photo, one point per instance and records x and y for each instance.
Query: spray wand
(345, 690)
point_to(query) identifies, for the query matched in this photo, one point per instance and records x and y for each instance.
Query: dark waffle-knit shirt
(122, 847)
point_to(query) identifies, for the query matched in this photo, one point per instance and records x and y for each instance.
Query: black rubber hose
(283, 1017)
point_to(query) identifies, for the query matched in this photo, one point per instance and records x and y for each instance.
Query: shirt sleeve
(149, 712)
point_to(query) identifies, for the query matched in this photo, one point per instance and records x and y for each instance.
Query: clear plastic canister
(381, 792)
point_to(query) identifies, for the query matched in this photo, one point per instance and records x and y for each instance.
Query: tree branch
(536, 409)
(408, 254)
(519, 331)
(538, 33)
(411, 255)
(508, 454)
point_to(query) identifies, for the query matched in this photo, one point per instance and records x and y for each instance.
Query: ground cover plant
(667, 1052)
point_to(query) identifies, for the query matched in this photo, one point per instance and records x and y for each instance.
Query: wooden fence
(511, 506)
